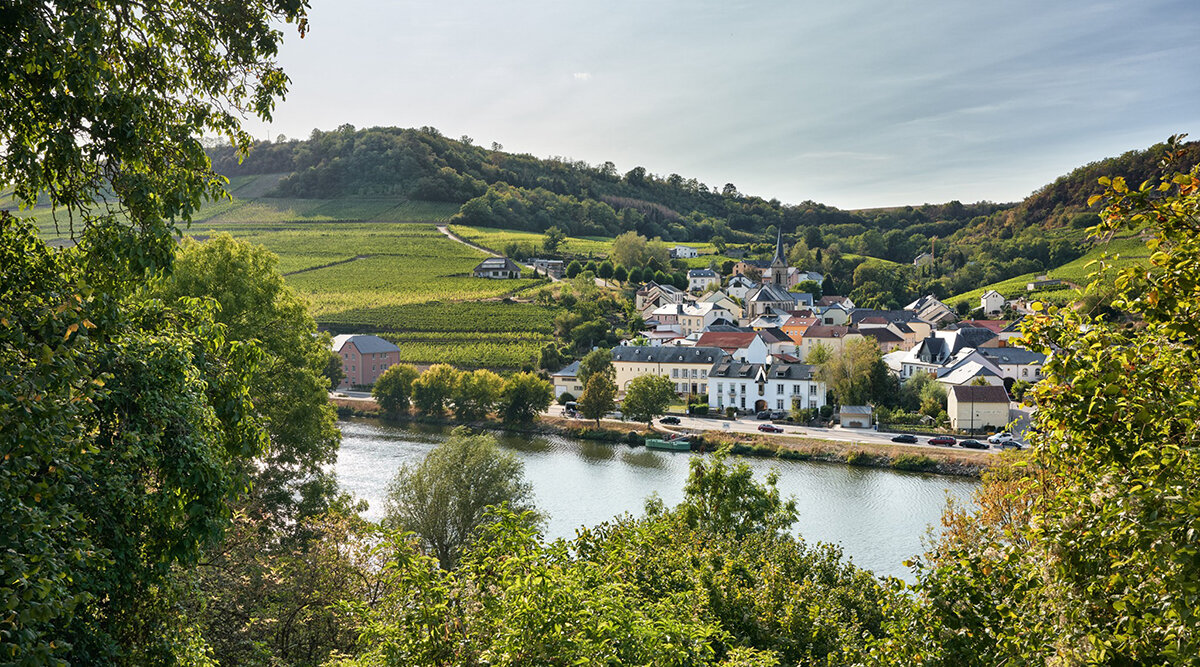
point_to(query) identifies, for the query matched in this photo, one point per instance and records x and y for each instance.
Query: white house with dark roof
(739, 286)
(1016, 363)
(687, 367)
(567, 381)
(497, 268)
(683, 252)
(992, 302)
(702, 279)
(364, 358)
(756, 387)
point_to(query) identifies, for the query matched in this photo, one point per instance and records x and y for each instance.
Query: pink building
(364, 358)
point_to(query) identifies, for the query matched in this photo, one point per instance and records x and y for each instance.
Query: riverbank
(958, 463)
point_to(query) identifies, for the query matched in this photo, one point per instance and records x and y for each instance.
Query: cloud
(582, 76)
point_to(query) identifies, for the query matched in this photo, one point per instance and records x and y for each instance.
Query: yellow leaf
(70, 330)
(1094, 198)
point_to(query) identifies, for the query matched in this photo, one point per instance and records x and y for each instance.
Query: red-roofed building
(745, 346)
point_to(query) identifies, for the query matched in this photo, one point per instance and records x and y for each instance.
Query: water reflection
(879, 517)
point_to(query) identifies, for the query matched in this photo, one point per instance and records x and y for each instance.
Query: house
(739, 286)
(973, 408)
(683, 252)
(778, 386)
(969, 373)
(702, 279)
(663, 334)
(835, 314)
(779, 344)
(797, 325)
(928, 308)
(941, 351)
(687, 367)
(885, 338)
(834, 300)
(497, 268)
(868, 317)
(748, 267)
(742, 346)
(855, 416)
(723, 300)
(690, 317)
(652, 296)
(551, 268)
(832, 337)
(364, 358)
(567, 381)
(924, 259)
(992, 302)
(1016, 363)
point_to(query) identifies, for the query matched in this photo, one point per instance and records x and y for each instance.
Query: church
(774, 294)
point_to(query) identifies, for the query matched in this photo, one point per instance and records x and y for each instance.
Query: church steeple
(778, 263)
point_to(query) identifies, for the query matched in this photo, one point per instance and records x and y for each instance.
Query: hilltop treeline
(974, 244)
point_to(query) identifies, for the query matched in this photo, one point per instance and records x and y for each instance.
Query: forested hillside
(973, 245)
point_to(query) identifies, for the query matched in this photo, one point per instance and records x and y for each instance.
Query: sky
(851, 103)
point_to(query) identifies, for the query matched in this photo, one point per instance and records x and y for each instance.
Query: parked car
(905, 437)
(1011, 444)
(1000, 438)
(669, 420)
(765, 414)
(944, 440)
(770, 428)
(778, 414)
(973, 444)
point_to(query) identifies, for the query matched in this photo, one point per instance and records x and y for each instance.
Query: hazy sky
(853, 103)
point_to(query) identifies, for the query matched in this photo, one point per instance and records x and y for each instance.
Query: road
(749, 425)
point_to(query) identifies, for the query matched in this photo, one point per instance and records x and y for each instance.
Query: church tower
(779, 264)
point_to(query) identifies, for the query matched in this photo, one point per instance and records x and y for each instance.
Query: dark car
(973, 444)
(669, 420)
(905, 437)
(778, 414)
(943, 440)
(770, 428)
(765, 414)
(1012, 444)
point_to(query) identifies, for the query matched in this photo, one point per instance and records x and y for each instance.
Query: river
(879, 517)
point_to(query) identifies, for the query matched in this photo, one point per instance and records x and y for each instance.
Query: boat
(680, 445)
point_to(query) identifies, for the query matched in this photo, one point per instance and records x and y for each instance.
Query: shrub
(859, 458)
(731, 412)
(566, 397)
(914, 462)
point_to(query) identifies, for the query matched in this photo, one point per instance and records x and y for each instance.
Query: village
(754, 346)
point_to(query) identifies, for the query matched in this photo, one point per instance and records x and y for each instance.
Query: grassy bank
(960, 463)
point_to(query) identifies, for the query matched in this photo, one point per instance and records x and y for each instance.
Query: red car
(942, 440)
(770, 428)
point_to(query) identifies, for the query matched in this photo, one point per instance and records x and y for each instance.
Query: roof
(791, 371)
(727, 340)
(668, 355)
(1013, 355)
(364, 343)
(974, 394)
(757, 263)
(995, 326)
(702, 273)
(771, 292)
(739, 278)
(732, 368)
(779, 258)
(882, 335)
(966, 372)
(859, 314)
(970, 337)
(855, 410)
(568, 372)
(831, 300)
(774, 335)
(498, 264)
(823, 331)
(991, 292)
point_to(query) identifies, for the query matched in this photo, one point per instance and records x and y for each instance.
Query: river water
(879, 517)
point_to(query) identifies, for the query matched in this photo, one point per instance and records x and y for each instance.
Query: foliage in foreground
(675, 587)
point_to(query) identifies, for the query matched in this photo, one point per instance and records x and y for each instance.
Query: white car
(1000, 438)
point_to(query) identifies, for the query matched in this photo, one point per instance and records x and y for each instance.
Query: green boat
(681, 445)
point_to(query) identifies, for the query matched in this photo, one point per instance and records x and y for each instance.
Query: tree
(596, 361)
(605, 270)
(574, 268)
(289, 387)
(445, 499)
(393, 389)
(818, 355)
(475, 394)
(647, 397)
(629, 249)
(127, 422)
(555, 237)
(598, 395)
(432, 391)
(620, 274)
(848, 373)
(524, 396)
(810, 287)
(725, 499)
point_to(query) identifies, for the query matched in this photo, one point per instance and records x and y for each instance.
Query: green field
(581, 247)
(1127, 251)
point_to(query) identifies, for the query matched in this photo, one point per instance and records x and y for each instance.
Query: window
(719, 386)
(779, 404)
(812, 390)
(778, 389)
(703, 373)
(1024, 372)
(743, 392)
(695, 373)
(796, 389)
(674, 372)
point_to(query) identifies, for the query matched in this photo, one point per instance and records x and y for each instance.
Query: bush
(913, 462)
(635, 439)
(565, 398)
(794, 455)
(763, 450)
(826, 411)
(731, 412)
(859, 458)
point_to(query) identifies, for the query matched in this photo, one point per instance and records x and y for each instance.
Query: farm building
(497, 268)
(972, 408)
(553, 268)
(683, 252)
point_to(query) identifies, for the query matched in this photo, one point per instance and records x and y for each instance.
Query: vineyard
(407, 282)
